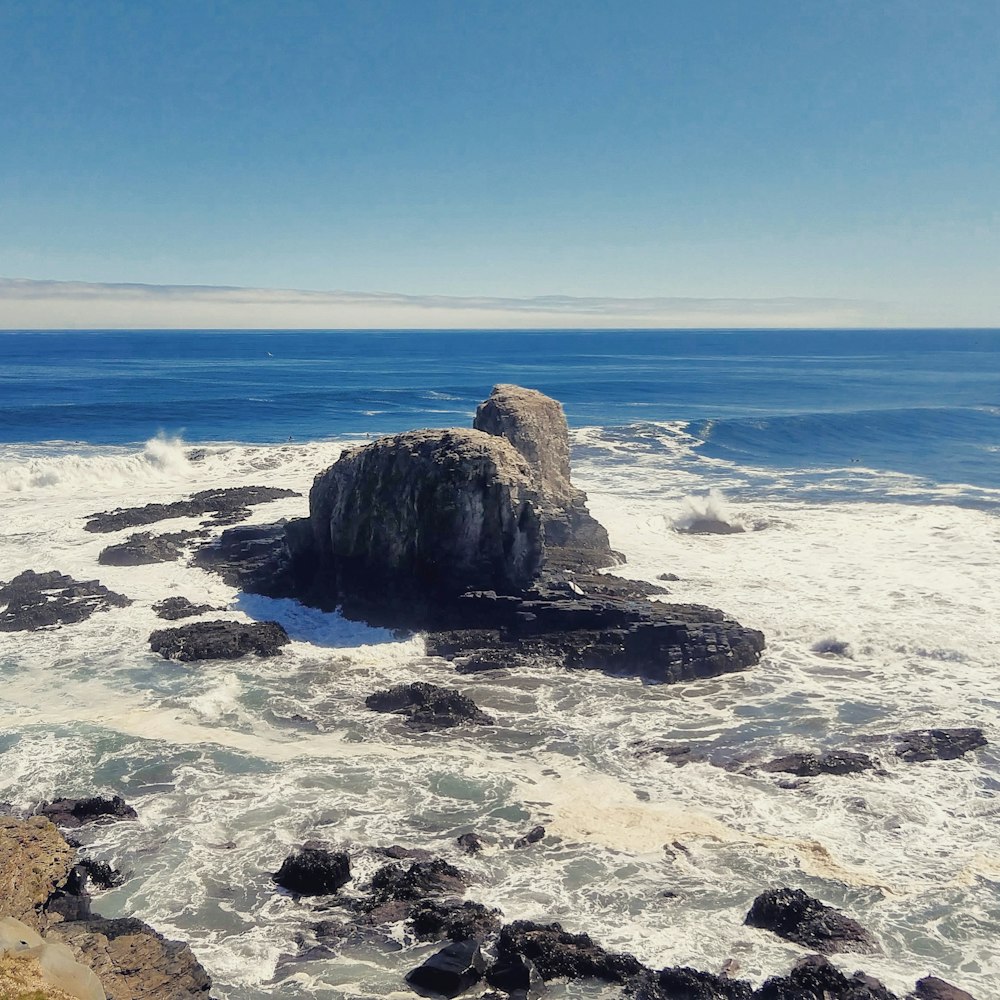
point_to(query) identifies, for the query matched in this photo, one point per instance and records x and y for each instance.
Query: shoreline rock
(36, 601)
(218, 640)
(798, 917)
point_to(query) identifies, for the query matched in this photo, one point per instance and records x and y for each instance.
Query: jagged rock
(536, 426)
(683, 983)
(471, 843)
(815, 978)
(556, 953)
(33, 601)
(932, 988)
(421, 880)
(224, 503)
(938, 744)
(256, 557)
(808, 765)
(427, 513)
(427, 705)
(143, 549)
(174, 608)
(314, 871)
(797, 917)
(71, 813)
(35, 863)
(457, 921)
(517, 977)
(133, 961)
(534, 835)
(451, 971)
(218, 640)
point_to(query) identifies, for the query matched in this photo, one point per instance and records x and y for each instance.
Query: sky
(422, 162)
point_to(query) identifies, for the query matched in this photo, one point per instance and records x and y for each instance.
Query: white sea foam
(230, 765)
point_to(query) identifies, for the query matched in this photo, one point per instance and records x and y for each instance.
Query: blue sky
(836, 151)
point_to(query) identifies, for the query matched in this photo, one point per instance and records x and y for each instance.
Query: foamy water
(231, 764)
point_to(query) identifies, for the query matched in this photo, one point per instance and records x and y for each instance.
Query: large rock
(33, 601)
(815, 978)
(143, 548)
(536, 426)
(932, 988)
(218, 640)
(938, 744)
(809, 765)
(314, 871)
(35, 863)
(797, 917)
(451, 971)
(684, 983)
(427, 513)
(72, 813)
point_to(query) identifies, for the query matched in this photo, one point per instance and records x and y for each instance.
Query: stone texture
(144, 549)
(43, 600)
(314, 871)
(815, 978)
(938, 744)
(174, 608)
(809, 765)
(35, 861)
(798, 917)
(218, 640)
(683, 983)
(932, 988)
(427, 706)
(435, 920)
(71, 813)
(451, 971)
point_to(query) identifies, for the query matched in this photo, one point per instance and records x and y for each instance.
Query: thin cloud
(38, 304)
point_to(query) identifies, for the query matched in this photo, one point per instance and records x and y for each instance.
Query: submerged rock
(225, 504)
(175, 608)
(143, 549)
(938, 744)
(451, 971)
(218, 640)
(710, 526)
(428, 706)
(314, 871)
(535, 834)
(70, 813)
(808, 765)
(421, 880)
(798, 917)
(43, 600)
(471, 843)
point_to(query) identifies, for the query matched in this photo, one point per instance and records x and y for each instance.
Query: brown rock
(35, 861)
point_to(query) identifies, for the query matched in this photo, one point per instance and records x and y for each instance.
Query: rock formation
(33, 601)
(218, 640)
(796, 916)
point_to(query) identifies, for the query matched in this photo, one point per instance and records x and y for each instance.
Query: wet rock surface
(314, 871)
(71, 813)
(175, 608)
(224, 504)
(143, 548)
(517, 977)
(218, 640)
(932, 988)
(427, 706)
(451, 971)
(683, 983)
(937, 744)
(808, 765)
(798, 917)
(431, 920)
(420, 881)
(533, 836)
(815, 978)
(32, 601)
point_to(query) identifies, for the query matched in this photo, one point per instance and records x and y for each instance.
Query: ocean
(865, 467)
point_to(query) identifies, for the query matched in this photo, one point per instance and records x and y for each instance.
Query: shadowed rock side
(478, 538)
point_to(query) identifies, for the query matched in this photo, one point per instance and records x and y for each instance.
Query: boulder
(428, 706)
(797, 917)
(427, 513)
(932, 988)
(218, 640)
(815, 978)
(71, 813)
(808, 765)
(314, 871)
(226, 504)
(451, 971)
(421, 880)
(133, 961)
(470, 842)
(534, 835)
(434, 920)
(938, 744)
(33, 601)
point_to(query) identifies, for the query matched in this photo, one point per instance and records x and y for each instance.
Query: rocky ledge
(479, 539)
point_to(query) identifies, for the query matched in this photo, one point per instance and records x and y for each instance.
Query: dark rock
(673, 753)
(33, 601)
(808, 765)
(683, 983)
(70, 813)
(556, 953)
(471, 843)
(451, 971)
(488, 659)
(434, 921)
(710, 526)
(814, 978)
(832, 647)
(668, 577)
(797, 917)
(516, 975)
(403, 853)
(132, 960)
(175, 608)
(938, 744)
(313, 871)
(143, 549)
(102, 874)
(932, 988)
(534, 835)
(427, 705)
(222, 502)
(255, 557)
(218, 640)
(420, 880)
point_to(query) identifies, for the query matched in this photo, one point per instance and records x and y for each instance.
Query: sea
(864, 467)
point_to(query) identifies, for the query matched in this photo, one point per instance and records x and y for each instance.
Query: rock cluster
(33, 601)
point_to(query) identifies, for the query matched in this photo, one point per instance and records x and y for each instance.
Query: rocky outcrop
(427, 706)
(435, 920)
(809, 765)
(225, 505)
(71, 813)
(932, 988)
(797, 917)
(218, 640)
(33, 601)
(938, 744)
(427, 514)
(35, 863)
(144, 549)
(536, 426)
(314, 871)
(174, 608)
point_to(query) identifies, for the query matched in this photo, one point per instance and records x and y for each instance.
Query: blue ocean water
(925, 403)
